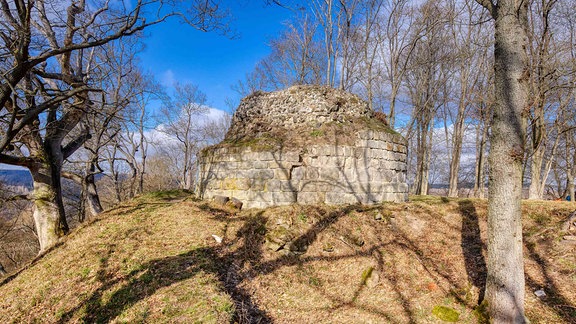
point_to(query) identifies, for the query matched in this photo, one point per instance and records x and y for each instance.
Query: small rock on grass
(220, 200)
(540, 293)
(217, 238)
(236, 203)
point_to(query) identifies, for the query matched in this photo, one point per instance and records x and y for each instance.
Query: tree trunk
(505, 279)
(48, 208)
(535, 190)
(90, 198)
(457, 148)
(392, 114)
(479, 168)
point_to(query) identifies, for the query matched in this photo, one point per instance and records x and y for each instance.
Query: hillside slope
(154, 260)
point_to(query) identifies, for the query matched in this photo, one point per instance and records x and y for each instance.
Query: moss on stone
(447, 314)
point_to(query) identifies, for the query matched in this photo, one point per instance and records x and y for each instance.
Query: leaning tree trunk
(505, 279)
(90, 205)
(48, 208)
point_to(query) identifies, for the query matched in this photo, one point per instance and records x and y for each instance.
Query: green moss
(316, 133)
(366, 274)
(481, 313)
(447, 314)
(255, 143)
(377, 125)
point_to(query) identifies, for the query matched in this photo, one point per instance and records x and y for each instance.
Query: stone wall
(371, 170)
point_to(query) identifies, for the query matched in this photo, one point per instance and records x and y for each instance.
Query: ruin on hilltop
(306, 145)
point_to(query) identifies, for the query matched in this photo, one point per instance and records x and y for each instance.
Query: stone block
(282, 174)
(344, 151)
(315, 162)
(284, 197)
(214, 185)
(258, 184)
(236, 184)
(263, 174)
(361, 153)
(349, 175)
(255, 164)
(259, 196)
(248, 156)
(363, 175)
(329, 173)
(334, 198)
(375, 144)
(240, 194)
(317, 186)
(308, 198)
(330, 161)
(286, 156)
(388, 175)
(311, 173)
(298, 173)
(220, 200)
(273, 185)
(326, 150)
(266, 156)
(256, 204)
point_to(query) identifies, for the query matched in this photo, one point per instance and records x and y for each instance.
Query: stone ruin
(305, 145)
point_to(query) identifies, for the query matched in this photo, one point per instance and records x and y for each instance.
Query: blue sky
(177, 52)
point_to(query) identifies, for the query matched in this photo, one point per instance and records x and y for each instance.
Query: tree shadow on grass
(472, 247)
(564, 308)
(148, 278)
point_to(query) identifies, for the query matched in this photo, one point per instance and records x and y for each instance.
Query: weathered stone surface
(235, 202)
(220, 200)
(368, 166)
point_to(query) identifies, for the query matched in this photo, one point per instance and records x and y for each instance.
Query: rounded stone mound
(306, 145)
(294, 108)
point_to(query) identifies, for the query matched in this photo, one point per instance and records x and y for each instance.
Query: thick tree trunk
(48, 209)
(505, 280)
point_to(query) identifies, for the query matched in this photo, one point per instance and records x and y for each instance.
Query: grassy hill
(154, 260)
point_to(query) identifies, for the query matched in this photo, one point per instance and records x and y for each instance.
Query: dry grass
(154, 260)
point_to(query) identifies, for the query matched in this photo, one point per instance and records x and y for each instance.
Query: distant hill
(166, 257)
(16, 178)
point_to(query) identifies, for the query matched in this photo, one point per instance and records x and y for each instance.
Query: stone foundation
(372, 170)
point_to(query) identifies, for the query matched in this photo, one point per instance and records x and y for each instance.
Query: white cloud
(158, 135)
(168, 78)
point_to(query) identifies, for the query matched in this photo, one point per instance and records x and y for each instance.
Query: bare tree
(426, 82)
(46, 85)
(471, 48)
(401, 37)
(181, 121)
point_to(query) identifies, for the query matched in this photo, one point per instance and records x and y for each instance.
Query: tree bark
(457, 147)
(480, 162)
(537, 160)
(48, 210)
(505, 280)
(90, 203)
